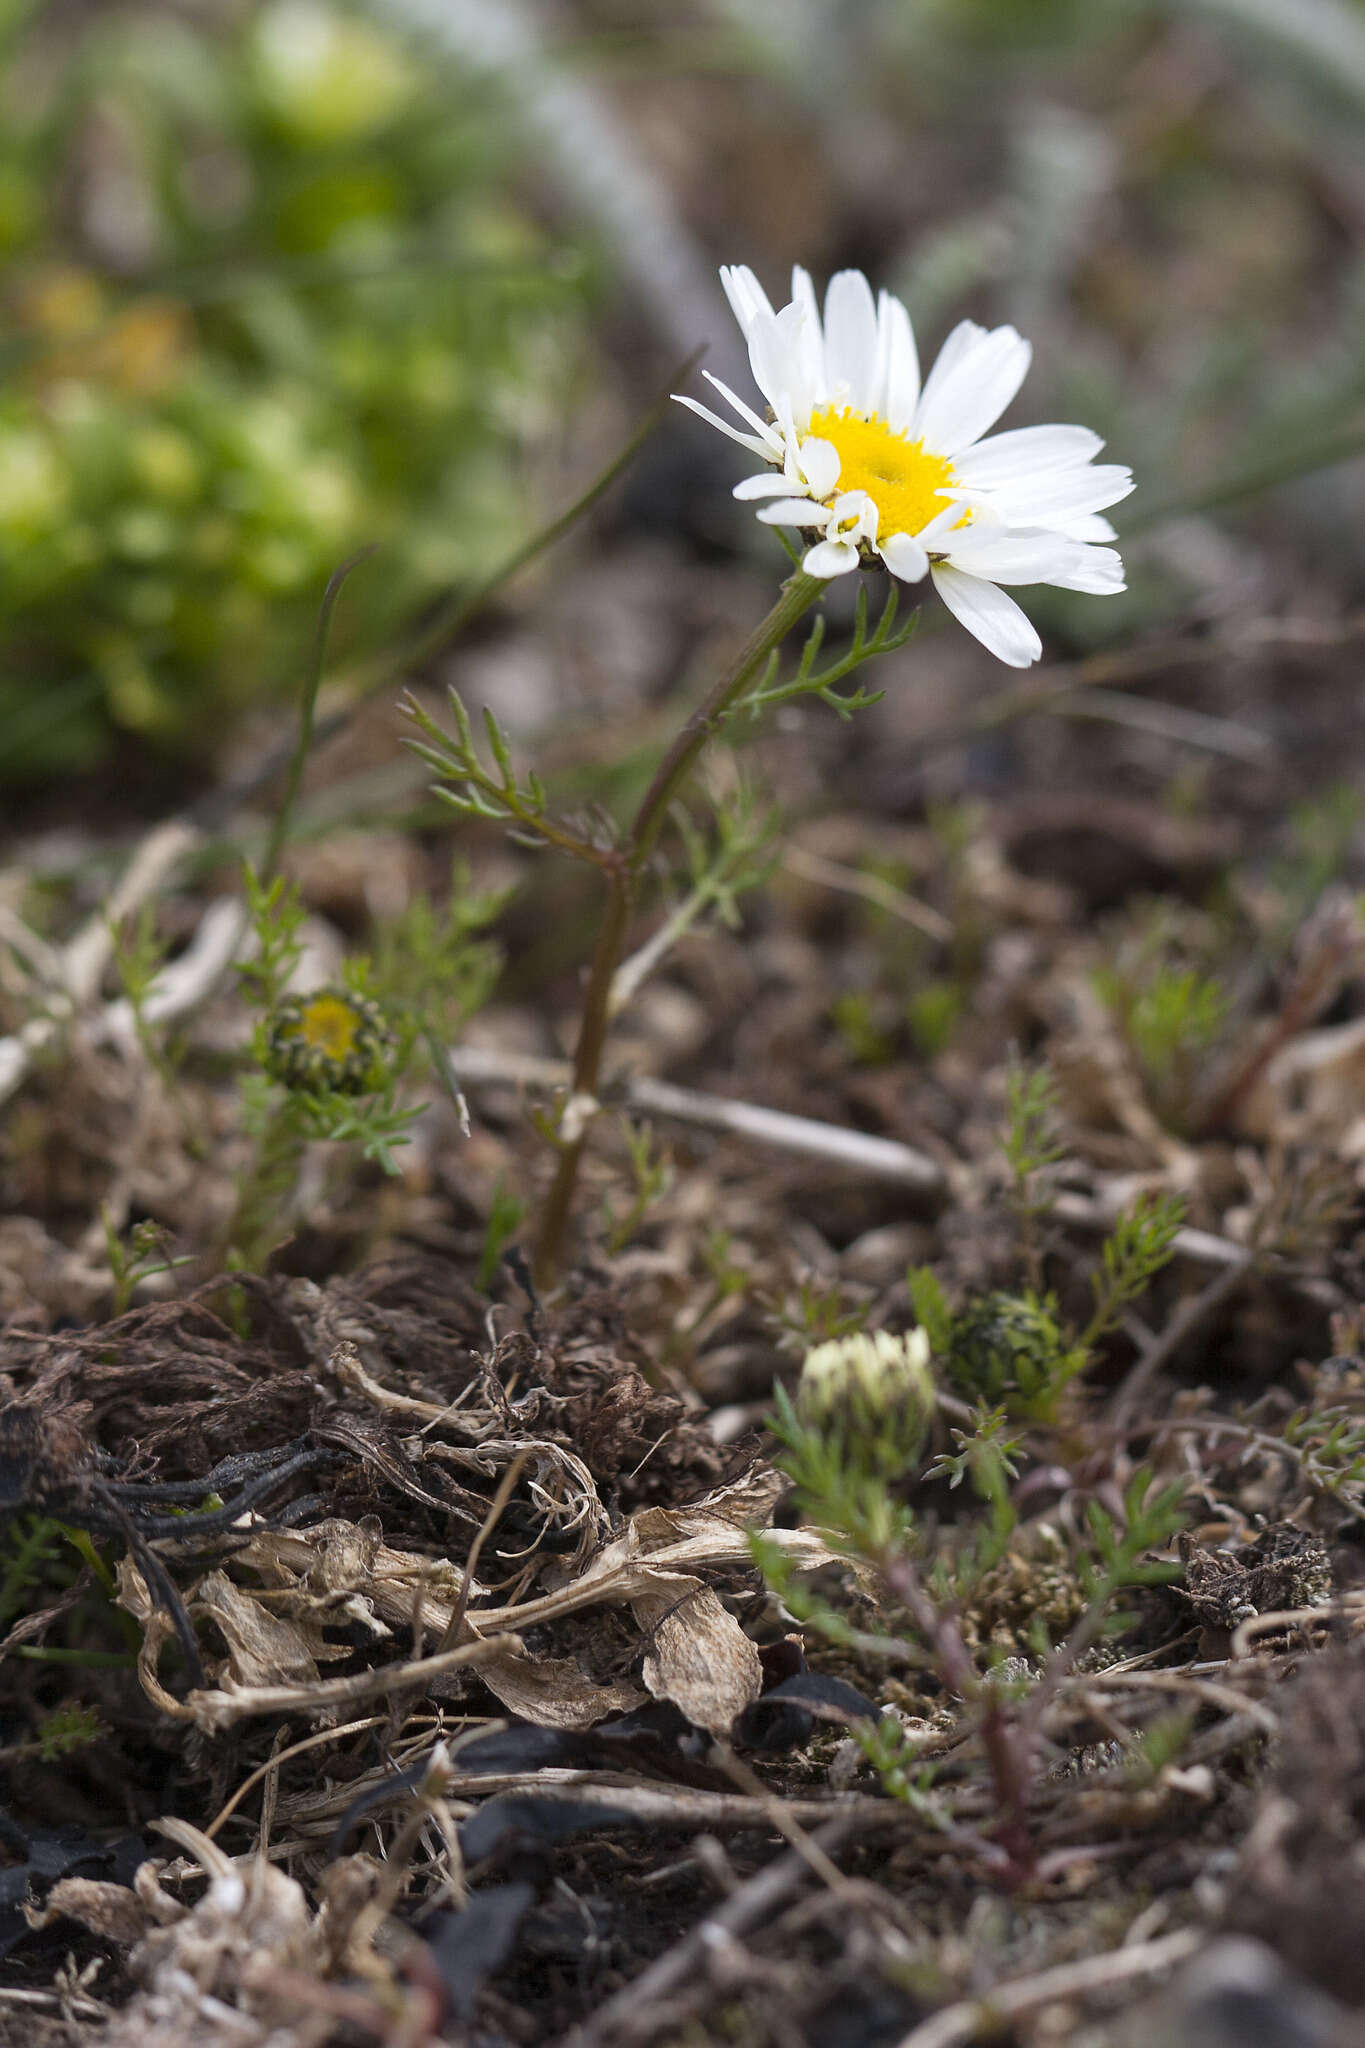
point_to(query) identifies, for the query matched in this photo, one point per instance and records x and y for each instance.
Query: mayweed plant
(857, 1444)
(885, 474)
(873, 1395)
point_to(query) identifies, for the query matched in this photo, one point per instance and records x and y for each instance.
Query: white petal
(819, 462)
(772, 484)
(959, 404)
(761, 427)
(1097, 571)
(935, 536)
(850, 504)
(812, 335)
(859, 507)
(1024, 452)
(851, 340)
(904, 557)
(795, 512)
(897, 365)
(960, 343)
(775, 362)
(1092, 527)
(746, 295)
(749, 441)
(830, 558)
(1013, 557)
(1063, 494)
(994, 619)
(791, 325)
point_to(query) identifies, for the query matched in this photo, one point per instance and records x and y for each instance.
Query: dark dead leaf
(470, 1947)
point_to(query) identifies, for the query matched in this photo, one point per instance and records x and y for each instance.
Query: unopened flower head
(1006, 1346)
(874, 1394)
(329, 1038)
(871, 463)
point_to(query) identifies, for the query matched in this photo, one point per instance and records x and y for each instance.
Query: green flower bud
(328, 1039)
(874, 1394)
(1008, 1344)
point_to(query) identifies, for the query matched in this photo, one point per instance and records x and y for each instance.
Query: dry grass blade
(956, 2024)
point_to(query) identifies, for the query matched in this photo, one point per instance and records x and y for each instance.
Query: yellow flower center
(903, 480)
(329, 1026)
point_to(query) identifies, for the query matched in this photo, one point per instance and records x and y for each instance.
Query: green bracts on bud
(1010, 1347)
(331, 1039)
(873, 1395)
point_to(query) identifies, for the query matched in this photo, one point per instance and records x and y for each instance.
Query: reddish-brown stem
(592, 1040)
(1008, 1744)
(624, 875)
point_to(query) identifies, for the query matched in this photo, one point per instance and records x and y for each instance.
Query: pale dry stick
(1318, 981)
(485, 1530)
(956, 2024)
(1351, 1609)
(1202, 1247)
(55, 2001)
(651, 1804)
(886, 1158)
(215, 1710)
(1057, 684)
(1149, 1922)
(84, 960)
(183, 984)
(429, 1803)
(881, 1158)
(755, 1901)
(270, 1799)
(592, 155)
(833, 874)
(1158, 1354)
(782, 1819)
(272, 1764)
(1269, 1446)
(637, 969)
(344, 1362)
(37, 961)
(1166, 721)
(1224, 1697)
(1228, 1738)
(647, 1802)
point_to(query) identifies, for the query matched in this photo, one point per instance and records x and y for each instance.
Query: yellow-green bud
(874, 1394)
(329, 1038)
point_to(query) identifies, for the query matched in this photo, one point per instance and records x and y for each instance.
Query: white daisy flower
(870, 462)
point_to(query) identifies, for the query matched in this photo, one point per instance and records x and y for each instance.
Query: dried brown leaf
(552, 1691)
(700, 1657)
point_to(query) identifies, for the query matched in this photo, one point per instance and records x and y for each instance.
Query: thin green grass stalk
(32, 1552)
(279, 833)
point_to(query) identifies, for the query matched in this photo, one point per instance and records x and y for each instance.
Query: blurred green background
(282, 279)
(269, 294)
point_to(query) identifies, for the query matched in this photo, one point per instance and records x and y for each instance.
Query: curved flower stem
(624, 873)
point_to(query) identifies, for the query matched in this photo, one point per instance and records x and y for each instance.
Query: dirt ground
(619, 1840)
